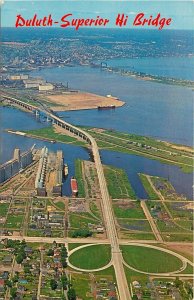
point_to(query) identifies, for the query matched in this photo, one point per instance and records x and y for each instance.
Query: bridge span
(108, 214)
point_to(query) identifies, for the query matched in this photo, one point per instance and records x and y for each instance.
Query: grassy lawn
(72, 246)
(178, 210)
(137, 225)
(92, 257)
(37, 232)
(186, 237)
(151, 193)
(119, 186)
(14, 221)
(150, 260)
(188, 270)
(136, 236)
(133, 275)
(79, 178)
(134, 212)
(94, 209)
(81, 220)
(187, 224)
(47, 291)
(169, 227)
(107, 272)
(144, 146)
(49, 133)
(60, 205)
(3, 209)
(81, 283)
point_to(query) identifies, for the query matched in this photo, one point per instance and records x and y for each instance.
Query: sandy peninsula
(77, 100)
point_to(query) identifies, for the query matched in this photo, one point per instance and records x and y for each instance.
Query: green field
(118, 183)
(49, 133)
(136, 236)
(79, 178)
(172, 237)
(14, 221)
(3, 209)
(133, 211)
(60, 205)
(144, 146)
(94, 209)
(150, 260)
(134, 225)
(151, 193)
(81, 282)
(81, 220)
(92, 257)
(72, 246)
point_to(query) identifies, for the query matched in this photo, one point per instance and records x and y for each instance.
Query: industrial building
(49, 176)
(46, 87)
(18, 163)
(33, 83)
(41, 173)
(19, 77)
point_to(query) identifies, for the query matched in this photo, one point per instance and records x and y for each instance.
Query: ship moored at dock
(74, 187)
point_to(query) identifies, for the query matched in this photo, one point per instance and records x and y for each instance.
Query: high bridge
(107, 209)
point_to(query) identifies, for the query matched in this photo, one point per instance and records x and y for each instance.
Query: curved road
(108, 215)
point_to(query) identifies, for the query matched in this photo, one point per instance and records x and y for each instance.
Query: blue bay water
(161, 111)
(151, 109)
(174, 67)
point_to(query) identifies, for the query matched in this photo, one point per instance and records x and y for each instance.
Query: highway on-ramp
(108, 214)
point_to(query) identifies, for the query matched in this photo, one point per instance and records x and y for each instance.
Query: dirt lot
(183, 249)
(80, 100)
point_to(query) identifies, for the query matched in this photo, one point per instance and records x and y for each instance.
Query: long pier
(108, 214)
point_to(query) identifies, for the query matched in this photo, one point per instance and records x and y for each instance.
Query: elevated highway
(108, 215)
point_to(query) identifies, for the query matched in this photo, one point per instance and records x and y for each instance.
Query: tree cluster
(81, 233)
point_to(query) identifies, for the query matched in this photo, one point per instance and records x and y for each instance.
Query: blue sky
(181, 12)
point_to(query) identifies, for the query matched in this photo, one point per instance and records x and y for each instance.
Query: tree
(177, 282)
(50, 252)
(19, 258)
(71, 294)
(63, 251)
(64, 257)
(134, 297)
(53, 284)
(63, 262)
(64, 281)
(15, 277)
(9, 283)
(81, 233)
(27, 269)
(13, 293)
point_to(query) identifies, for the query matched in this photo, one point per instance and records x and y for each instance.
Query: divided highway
(108, 214)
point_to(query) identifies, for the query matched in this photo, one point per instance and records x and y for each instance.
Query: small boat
(65, 170)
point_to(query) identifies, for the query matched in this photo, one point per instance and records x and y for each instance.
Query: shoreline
(118, 149)
(81, 100)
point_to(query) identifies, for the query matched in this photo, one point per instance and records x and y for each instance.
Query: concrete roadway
(108, 214)
(184, 260)
(50, 240)
(151, 222)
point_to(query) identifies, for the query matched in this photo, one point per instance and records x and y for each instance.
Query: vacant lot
(81, 100)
